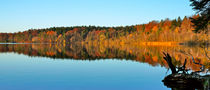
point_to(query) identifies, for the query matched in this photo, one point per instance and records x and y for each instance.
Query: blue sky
(21, 15)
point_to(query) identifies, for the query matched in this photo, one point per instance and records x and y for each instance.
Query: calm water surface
(30, 68)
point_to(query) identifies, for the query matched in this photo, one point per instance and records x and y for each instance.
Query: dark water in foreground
(83, 67)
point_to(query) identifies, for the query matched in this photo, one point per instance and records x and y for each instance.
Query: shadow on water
(181, 59)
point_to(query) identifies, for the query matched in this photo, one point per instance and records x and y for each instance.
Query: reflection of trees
(146, 54)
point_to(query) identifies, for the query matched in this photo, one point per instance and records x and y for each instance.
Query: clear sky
(21, 15)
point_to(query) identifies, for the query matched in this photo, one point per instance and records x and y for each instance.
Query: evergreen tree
(179, 21)
(203, 8)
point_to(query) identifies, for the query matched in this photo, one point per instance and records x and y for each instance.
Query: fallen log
(183, 80)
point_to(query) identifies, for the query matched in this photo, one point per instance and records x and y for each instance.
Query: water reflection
(151, 55)
(142, 54)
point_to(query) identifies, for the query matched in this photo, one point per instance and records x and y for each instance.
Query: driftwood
(172, 67)
(183, 80)
(169, 61)
(187, 81)
(202, 69)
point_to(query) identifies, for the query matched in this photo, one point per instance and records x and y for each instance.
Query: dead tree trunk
(169, 61)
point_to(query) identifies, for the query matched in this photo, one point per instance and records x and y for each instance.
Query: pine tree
(203, 8)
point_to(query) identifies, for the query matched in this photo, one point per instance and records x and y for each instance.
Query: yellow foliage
(177, 29)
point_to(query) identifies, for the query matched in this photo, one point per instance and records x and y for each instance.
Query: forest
(173, 31)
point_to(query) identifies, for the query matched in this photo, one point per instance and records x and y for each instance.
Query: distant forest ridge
(176, 30)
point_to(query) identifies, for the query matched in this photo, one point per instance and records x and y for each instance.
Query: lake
(91, 67)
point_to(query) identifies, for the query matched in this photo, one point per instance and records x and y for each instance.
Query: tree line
(178, 30)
